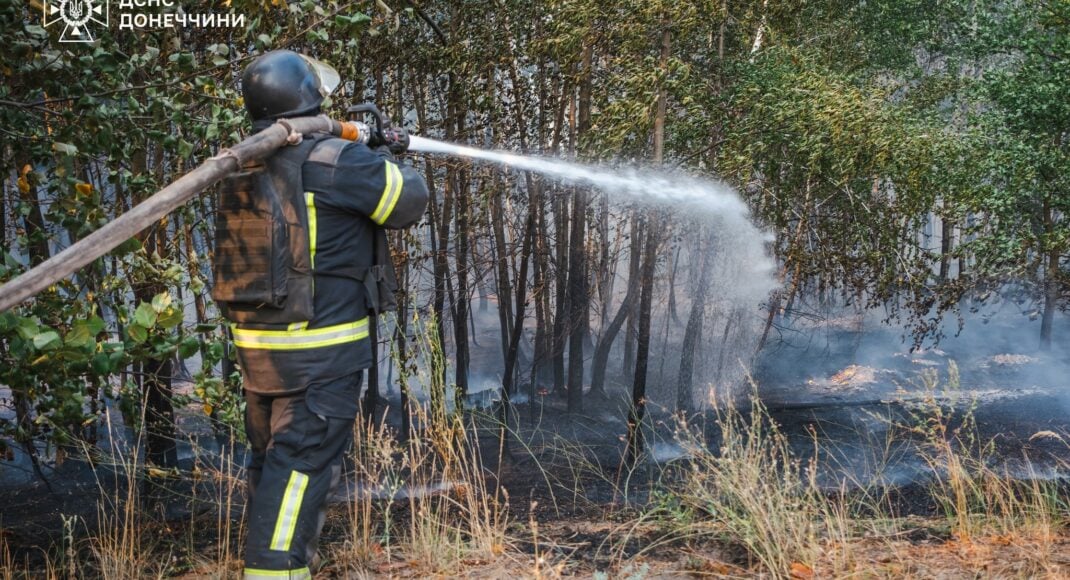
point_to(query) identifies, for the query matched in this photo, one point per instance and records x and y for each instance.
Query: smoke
(851, 375)
(741, 269)
(997, 345)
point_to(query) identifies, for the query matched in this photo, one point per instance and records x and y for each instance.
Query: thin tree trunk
(692, 335)
(508, 377)
(642, 357)
(1051, 282)
(947, 228)
(606, 264)
(638, 411)
(439, 224)
(561, 314)
(501, 264)
(634, 259)
(672, 287)
(794, 250)
(578, 302)
(605, 343)
(461, 300)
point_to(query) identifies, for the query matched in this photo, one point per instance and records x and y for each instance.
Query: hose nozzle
(381, 134)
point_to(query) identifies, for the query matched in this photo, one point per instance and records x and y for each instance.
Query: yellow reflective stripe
(310, 202)
(398, 182)
(245, 332)
(296, 339)
(288, 511)
(295, 574)
(303, 345)
(391, 194)
(388, 190)
(298, 325)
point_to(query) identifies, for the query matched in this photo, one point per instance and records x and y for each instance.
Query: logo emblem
(77, 17)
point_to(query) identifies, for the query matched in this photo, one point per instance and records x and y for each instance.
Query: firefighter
(301, 305)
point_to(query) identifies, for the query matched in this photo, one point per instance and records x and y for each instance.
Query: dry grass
(428, 506)
(120, 545)
(453, 516)
(977, 498)
(751, 491)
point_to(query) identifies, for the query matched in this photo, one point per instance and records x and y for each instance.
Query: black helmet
(283, 83)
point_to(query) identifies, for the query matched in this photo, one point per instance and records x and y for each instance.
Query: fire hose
(214, 169)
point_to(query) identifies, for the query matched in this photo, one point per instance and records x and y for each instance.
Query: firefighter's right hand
(396, 139)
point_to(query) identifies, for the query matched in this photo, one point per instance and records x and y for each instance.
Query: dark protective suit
(302, 380)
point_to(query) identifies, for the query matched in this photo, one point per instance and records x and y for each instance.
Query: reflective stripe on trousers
(300, 338)
(288, 511)
(298, 574)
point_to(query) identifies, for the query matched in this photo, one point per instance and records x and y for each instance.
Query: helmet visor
(329, 79)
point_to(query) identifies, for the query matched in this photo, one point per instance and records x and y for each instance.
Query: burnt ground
(861, 416)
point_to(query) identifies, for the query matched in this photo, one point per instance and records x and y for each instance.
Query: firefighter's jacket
(349, 191)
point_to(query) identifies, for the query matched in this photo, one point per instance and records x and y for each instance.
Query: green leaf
(185, 148)
(145, 316)
(95, 324)
(188, 347)
(28, 328)
(46, 340)
(101, 364)
(79, 335)
(171, 318)
(137, 333)
(115, 351)
(161, 302)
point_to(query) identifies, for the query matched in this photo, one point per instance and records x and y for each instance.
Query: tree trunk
(1051, 281)
(642, 356)
(635, 419)
(672, 288)
(440, 225)
(160, 440)
(461, 300)
(561, 314)
(605, 342)
(692, 336)
(577, 279)
(401, 338)
(947, 228)
(579, 315)
(501, 264)
(508, 377)
(634, 259)
(606, 262)
(540, 294)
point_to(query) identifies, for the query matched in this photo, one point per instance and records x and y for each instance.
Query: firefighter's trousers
(297, 441)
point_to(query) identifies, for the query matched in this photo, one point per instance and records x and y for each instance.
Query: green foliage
(90, 131)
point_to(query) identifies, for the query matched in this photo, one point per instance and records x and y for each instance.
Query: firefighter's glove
(396, 139)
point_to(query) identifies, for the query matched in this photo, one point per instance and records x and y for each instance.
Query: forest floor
(854, 475)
